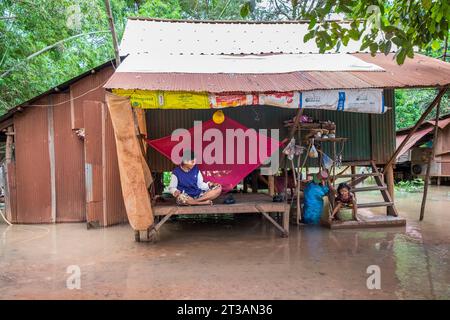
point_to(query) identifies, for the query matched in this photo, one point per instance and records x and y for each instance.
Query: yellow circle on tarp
(218, 117)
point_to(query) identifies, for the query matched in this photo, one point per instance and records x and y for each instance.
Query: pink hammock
(227, 173)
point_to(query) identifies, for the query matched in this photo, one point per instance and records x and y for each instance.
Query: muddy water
(234, 258)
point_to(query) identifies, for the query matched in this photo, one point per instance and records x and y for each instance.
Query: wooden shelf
(329, 139)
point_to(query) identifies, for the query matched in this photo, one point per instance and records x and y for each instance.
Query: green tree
(380, 25)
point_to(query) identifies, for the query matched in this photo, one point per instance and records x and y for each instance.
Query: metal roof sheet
(421, 71)
(143, 35)
(244, 64)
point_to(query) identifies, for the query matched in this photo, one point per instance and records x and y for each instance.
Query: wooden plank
(398, 222)
(222, 208)
(375, 204)
(360, 175)
(362, 189)
(131, 164)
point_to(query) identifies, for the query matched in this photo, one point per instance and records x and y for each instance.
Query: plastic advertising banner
(365, 101)
(146, 99)
(349, 100)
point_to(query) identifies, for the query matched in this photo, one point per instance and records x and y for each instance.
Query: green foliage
(411, 103)
(28, 26)
(415, 185)
(170, 9)
(422, 24)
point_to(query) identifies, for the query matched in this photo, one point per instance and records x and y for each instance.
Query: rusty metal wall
(32, 165)
(115, 207)
(89, 88)
(382, 130)
(93, 161)
(69, 164)
(86, 175)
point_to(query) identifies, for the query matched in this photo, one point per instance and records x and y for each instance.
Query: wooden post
(416, 126)
(113, 32)
(389, 176)
(353, 171)
(255, 181)
(431, 157)
(271, 185)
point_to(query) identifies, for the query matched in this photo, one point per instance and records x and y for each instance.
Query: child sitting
(344, 198)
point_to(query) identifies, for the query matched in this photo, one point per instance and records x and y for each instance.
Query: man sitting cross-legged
(187, 185)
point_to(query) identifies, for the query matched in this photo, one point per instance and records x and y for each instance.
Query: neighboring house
(412, 160)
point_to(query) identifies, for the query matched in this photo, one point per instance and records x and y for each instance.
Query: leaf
(397, 41)
(345, 40)
(312, 23)
(401, 55)
(245, 9)
(373, 47)
(426, 4)
(308, 36)
(435, 45)
(365, 45)
(354, 34)
(387, 47)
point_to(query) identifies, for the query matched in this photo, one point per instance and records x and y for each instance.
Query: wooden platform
(367, 220)
(245, 203)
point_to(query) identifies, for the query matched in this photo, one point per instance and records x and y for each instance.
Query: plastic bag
(313, 152)
(327, 161)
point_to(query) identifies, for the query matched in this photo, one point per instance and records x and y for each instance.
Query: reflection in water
(234, 257)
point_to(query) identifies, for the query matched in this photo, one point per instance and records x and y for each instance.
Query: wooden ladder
(381, 186)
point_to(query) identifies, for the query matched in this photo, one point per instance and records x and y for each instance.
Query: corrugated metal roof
(244, 64)
(421, 71)
(219, 37)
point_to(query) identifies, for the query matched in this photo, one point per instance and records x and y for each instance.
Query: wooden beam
(264, 213)
(416, 126)
(430, 158)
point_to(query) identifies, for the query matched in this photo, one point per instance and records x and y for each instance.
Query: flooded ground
(236, 258)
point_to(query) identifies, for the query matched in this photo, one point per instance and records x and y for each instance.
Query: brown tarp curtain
(135, 176)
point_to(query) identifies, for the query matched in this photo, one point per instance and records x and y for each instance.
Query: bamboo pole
(430, 158)
(416, 126)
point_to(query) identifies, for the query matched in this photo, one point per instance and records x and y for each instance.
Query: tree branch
(4, 74)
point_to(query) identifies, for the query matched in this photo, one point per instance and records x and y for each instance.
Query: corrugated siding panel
(32, 165)
(115, 207)
(383, 130)
(83, 88)
(354, 126)
(93, 161)
(69, 164)
(12, 191)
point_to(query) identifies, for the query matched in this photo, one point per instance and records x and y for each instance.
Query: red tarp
(226, 173)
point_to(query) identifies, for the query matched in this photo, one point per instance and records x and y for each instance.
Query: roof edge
(139, 18)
